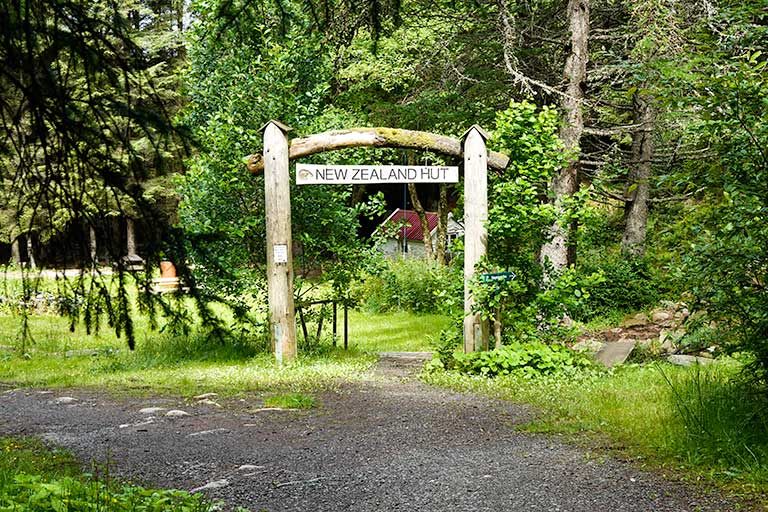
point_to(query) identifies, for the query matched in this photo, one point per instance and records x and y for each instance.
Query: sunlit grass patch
(395, 332)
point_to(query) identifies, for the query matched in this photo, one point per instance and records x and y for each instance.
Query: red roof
(412, 226)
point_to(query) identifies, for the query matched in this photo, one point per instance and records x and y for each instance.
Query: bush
(413, 285)
(529, 359)
(628, 285)
(35, 478)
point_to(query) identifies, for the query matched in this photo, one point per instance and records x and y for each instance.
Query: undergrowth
(34, 478)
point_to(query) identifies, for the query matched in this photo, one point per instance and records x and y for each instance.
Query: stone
(665, 339)
(208, 432)
(590, 345)
(64, 400)
(151, 410)
(216, 484)
(659, 317)
(176, 413)
(637, 320)
(615, 353)
(208, 402)
(249, 467)
(685, 360)
(206, 396)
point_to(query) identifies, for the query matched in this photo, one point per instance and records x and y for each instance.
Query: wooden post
(334, 323)
(277, 199)
(475, 216)
(346, 326)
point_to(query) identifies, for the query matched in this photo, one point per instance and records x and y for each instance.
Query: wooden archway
(274, 163)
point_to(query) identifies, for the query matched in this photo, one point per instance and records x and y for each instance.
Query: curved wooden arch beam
(377, 138)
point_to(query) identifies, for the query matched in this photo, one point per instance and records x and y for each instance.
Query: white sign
(280, 253)
(315, 174)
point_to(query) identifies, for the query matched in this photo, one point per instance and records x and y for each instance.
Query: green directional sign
(497, 276)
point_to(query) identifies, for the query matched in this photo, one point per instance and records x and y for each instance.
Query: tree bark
(130, 237)
(565, 184)
(375, 137)
(31, 252)
(92, 243)
(442, 225)
(419, 209)
(638, 188)
(15, 252)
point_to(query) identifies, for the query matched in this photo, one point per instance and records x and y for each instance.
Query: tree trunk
(92, 243)
(419, 209)
(358, 194)
(15, 252)
(442, 224)
(130, 237)
(638, 190)
(31, 252)
(565, 184)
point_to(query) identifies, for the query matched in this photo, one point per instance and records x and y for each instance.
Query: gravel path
(389, 444)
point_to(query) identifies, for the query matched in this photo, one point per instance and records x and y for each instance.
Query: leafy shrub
(529, 359)
(413, 285)
(628, 284)
(34, 478)
(444, 346)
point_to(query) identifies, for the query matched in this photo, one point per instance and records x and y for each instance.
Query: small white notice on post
(280, 253)
(317, 174)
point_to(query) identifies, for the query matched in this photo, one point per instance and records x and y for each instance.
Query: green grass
(192, 364)
(36, 478)
(395, 332)
(702, 419)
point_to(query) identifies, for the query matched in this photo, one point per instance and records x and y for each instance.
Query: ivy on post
(277, 201)
(475, 217)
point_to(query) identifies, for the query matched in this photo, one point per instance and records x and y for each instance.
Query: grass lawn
(192, 364)
(395, 332)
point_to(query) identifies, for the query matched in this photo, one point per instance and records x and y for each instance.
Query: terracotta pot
(167, 269)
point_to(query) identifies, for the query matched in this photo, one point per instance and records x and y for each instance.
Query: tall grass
(720, 420)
